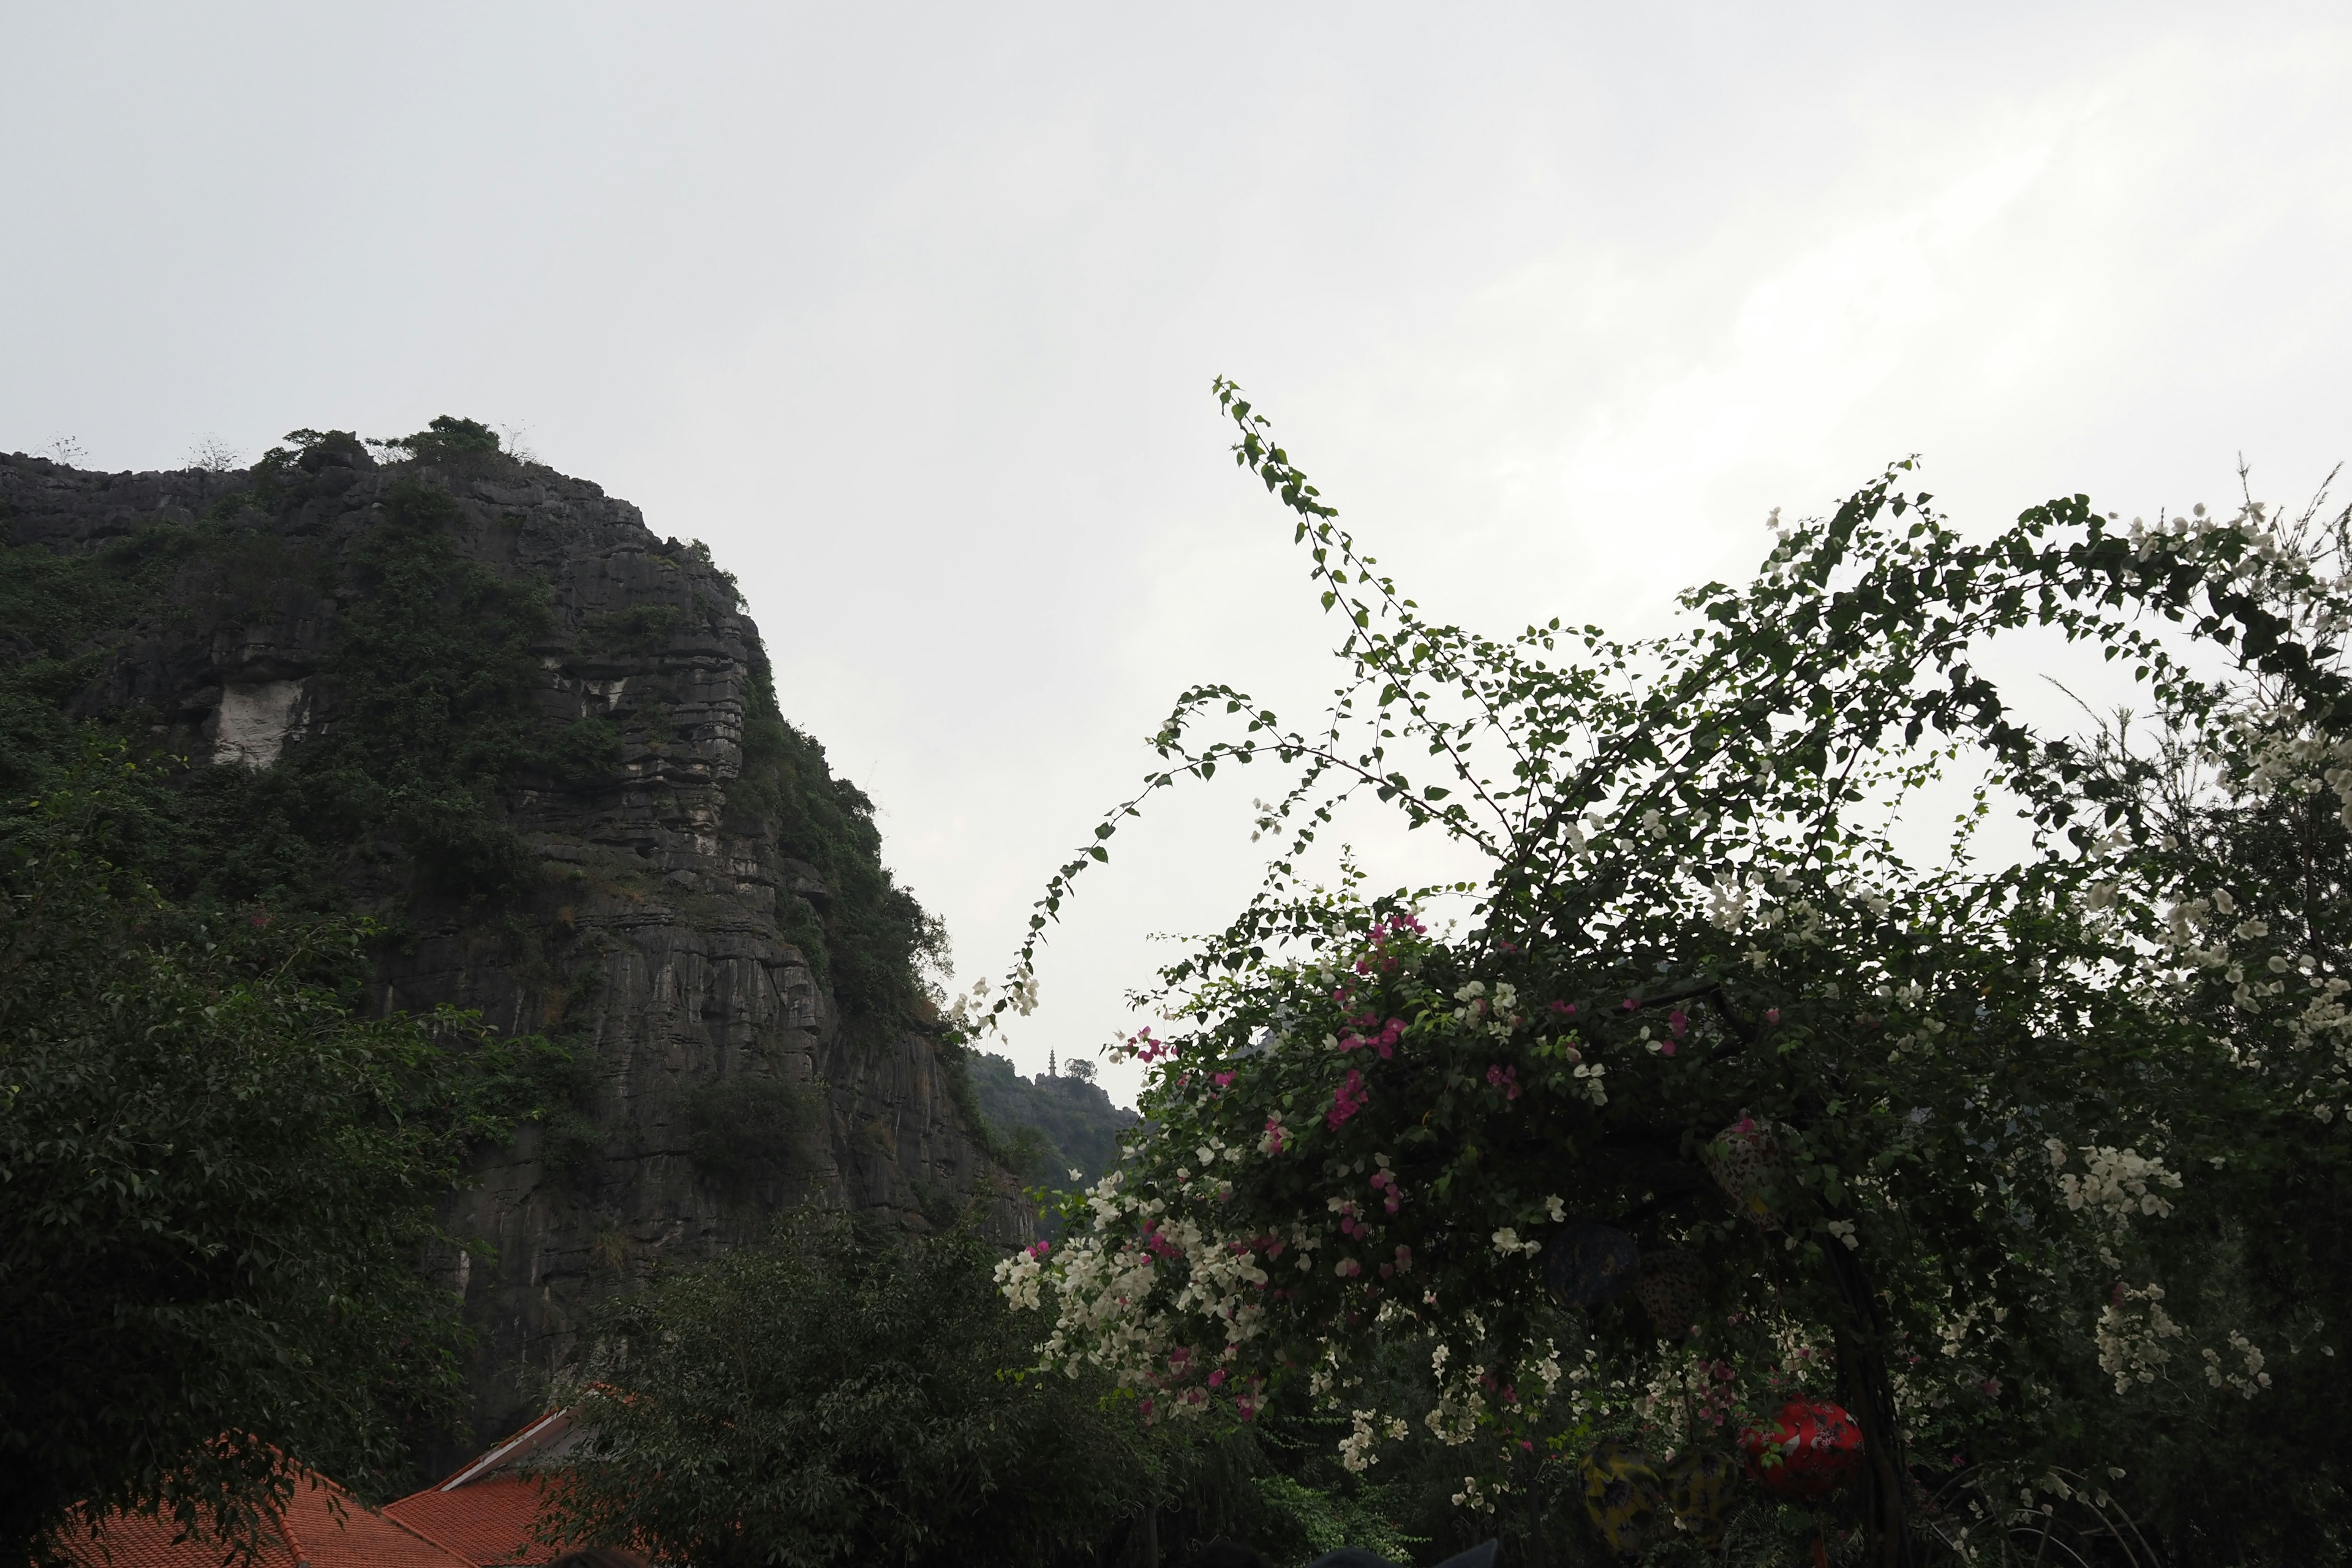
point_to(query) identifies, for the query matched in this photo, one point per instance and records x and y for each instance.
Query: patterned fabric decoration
(1746, 1162)
(1698, 1488)
(1590, 1264)
(1621, 1493)
(1672, 1288)
(1811, 1451)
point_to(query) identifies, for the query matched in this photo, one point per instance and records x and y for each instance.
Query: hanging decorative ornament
(1621, 1493)
(1747, 1163)
(1587, 1264)
(1697, 1484)
(1813, 1448)
(1672, 1288)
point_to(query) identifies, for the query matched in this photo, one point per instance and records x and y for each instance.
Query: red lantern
(1811, 1451)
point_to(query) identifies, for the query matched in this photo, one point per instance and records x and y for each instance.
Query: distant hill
(1050, 1125)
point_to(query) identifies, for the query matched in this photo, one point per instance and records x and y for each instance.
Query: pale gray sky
(910, 311)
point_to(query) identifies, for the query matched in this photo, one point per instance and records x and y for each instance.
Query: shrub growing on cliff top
(2026, 1161)
(446, 438)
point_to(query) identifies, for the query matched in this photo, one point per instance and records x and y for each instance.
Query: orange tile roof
(488, 1520)
(309, 1535)
(486, 1509)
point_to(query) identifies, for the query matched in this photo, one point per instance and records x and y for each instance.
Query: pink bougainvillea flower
(1350, 1098)
(1217, 1378)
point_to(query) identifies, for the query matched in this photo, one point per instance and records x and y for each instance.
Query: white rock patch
(255, 720)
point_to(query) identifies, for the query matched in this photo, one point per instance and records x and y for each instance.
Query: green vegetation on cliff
(429, 674)
(432, 667)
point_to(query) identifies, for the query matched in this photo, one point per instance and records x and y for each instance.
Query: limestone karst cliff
(485, 703)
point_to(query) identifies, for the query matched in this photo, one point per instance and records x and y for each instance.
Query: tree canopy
(2027, 1159)
(841, 1394)
(217, 1178)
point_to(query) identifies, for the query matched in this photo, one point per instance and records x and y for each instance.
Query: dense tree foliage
(2026, 1159)
(217, 1181)
(843, 1395)
(846, 1395)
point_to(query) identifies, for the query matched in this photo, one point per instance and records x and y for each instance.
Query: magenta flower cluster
(1352, 1097)
(1374, 1035)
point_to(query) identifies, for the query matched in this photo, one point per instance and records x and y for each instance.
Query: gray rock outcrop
(666, 938)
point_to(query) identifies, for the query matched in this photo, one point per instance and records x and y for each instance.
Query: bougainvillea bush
(1729, 1086)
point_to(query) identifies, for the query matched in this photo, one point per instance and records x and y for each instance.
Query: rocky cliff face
(678, 890)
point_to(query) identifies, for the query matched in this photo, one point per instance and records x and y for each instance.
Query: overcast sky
(911, 312)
